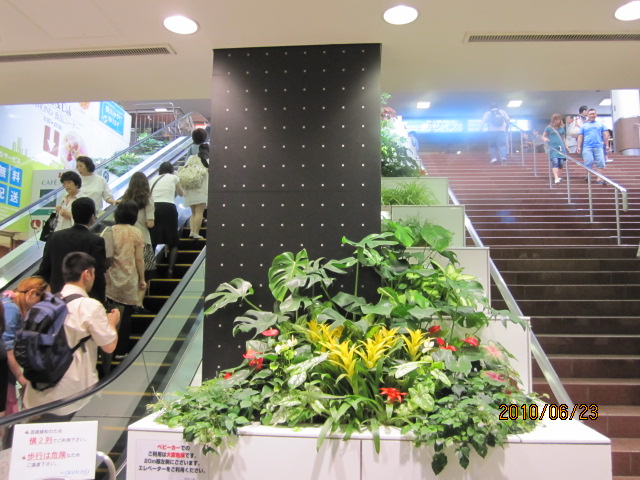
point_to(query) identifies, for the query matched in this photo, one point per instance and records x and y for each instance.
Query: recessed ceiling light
(400, 15)
(514, 104)
(423, 105)
(605, 103)
(629, 11)
(181, 25)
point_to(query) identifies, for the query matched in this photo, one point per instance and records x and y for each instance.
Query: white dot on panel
(243, 185)
(342, 184)
(222, 244)
(363, 107)
(228, 73)
(243, 205)
(323, 107)
(342, 224)
(322, 165)
(265, 109)
(285, 71)
(304, 126)
(304, 108)
(262, 244)
(266, 71)
(303, 165)
(265, 127)
(222, 264)
(247, 72)
(322, 184)
(282, 204)
(224, 186)
(284, 108)
(282, 244)
(264, 146)
(322, 244)
(303, 146)
(266, 54)
(302, 184)
(324, 52)
(244, 166)
(323, 126)
(363, 184)
(245, 147)
(226, 109)
(322, 204)
(342, 126)
(302, 245)
(304, 89)
(324, 70)
(226, 128)
(262, 224)
(342, 204)
(224, 205)
(362, 126)
(263, 185)
(324, 89)
(322, 145)
(283, 165)
(242, 244)
(362, 88)
(245, 128)
(363, 164)
(284, 89)
(283, 185)
(224, 166)
(261, 265)
(363, 224)
(343, 107)
(322, 224)
(363, 204)
(302, 224)
(246, 109)
(304, 70)
(344, 69)
(363, 69)
(284, 146)
(242, 224)
(262, 204)
(342, 165)
(284, 127)
(246, 90)
(264, 166)
(363, 145)
(225, 147)
(242, 264)
(342, 145)
(343, 88)
(302, 204)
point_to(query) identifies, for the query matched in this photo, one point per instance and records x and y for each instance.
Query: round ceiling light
(181, 25)
(629, 11)
(401, 15)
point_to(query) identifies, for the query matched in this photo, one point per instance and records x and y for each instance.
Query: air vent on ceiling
(94, 53)
(555, 37)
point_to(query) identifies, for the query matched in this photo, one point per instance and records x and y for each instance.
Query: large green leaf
(231, 292)
(284, 269)
(255, 320)
(437, 237)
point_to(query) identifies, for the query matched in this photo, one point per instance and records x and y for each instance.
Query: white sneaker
(558, 180)
(493, 160)
(195, 236)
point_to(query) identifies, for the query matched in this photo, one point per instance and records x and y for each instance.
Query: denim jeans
(498, 145)
(589, 154)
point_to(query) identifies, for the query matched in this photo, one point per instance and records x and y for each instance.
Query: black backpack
(41, 347)
(496, 119)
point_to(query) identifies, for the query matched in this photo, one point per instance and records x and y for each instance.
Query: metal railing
(620, 197)
(548, 371)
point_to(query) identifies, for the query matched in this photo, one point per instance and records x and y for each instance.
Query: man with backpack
(497, 122)
(87, 326)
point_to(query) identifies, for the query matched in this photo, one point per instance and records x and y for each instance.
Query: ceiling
(430, 59)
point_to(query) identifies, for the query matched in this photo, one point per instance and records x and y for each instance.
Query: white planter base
(556, 450)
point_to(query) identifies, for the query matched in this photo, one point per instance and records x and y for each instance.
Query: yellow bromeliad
(376, 347)
(413, 343)
(342, 354)
(321, 333)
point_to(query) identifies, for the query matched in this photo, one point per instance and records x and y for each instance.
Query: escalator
(161, 337)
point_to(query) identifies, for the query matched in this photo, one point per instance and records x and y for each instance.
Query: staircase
(581, 290)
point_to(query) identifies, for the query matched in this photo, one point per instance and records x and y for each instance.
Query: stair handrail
(512, 126)
(620, 191)
(548, 371)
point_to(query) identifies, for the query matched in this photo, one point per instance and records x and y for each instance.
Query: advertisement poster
(49, 137)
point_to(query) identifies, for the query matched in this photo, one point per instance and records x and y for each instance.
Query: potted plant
(412, 358)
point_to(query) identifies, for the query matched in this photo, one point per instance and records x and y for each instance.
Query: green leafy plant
(412, 359)
(123, 163)
(395, 161)
(151, 144)
(407, 193)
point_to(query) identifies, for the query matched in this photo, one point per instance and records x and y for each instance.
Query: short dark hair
(591, 110)
(74, 264)
(82, 209)
(203, 151)
(91, 167)
(199, 135)
(126, 212)
(74, 177)
(165, 167)
(583, 108)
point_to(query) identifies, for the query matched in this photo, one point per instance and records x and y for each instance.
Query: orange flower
(393, 394)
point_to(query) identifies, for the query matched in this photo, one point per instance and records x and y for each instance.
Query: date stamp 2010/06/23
(552, 411)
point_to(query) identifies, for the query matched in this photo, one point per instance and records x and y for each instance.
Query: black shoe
(601, 182)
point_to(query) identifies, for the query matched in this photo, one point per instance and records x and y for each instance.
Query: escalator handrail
(124, 365)
(54, 193)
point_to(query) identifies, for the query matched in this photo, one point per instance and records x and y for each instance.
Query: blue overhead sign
(112, 115)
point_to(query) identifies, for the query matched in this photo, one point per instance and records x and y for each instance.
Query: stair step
(598, 391)
(590, 365)
(615, 307)
(557, 324)
(596, 344)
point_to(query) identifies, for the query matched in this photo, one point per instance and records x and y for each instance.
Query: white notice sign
(54, 450)
(167, 459)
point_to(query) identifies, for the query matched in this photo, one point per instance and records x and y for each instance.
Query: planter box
(555, 450)
(450, 217)
(438, 187)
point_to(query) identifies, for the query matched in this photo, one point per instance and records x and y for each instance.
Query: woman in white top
(196, 198)
(164, 190)
(71, 182)
(93, 186)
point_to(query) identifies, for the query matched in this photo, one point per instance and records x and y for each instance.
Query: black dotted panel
(295, 164)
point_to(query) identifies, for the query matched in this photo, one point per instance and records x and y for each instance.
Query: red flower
(393, 394)
(440, 341)
(227, 375)
(449, 347)
(250, 354)
(473, 341)
(256, 362)
(434, 329)
(272, 332)
(499, 377)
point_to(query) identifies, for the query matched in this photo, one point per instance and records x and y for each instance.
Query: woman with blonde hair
(554, 135)
(16, 305)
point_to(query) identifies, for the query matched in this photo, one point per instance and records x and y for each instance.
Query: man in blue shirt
(593, 141)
